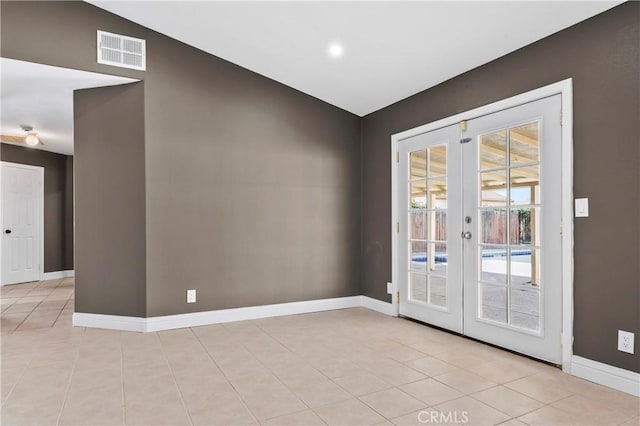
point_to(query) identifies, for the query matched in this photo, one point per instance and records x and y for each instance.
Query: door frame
(40, 209)
(563, 88)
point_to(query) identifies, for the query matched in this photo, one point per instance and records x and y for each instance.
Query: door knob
(466, 235)
(7, 231)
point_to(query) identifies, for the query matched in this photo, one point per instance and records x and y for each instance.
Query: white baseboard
(378, 305)
(606, 375)
(111, 322)
(57, 275)
(195, 319)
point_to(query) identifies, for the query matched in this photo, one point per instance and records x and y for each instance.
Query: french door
(480, 241)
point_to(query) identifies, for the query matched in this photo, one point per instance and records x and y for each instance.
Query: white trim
(565, 89)
(195, 319)
(58, 275)
(40, 171)
(607, 375)
(379, 306)
(111, 322)
(395, 235)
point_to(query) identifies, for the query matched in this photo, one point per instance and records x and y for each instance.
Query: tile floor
(345, 367)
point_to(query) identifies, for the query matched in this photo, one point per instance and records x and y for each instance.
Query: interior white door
(22, 203)
(479, 246)
(512, 251)
(430, 248)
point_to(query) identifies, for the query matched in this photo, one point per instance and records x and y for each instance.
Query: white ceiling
(41, 96)
(391, 49)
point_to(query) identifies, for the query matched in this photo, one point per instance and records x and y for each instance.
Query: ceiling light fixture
(336, 50)
(32, 138)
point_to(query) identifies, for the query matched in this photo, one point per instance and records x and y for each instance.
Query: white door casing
(22, 209)
(562, 251)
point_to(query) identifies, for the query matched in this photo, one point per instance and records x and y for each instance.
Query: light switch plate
(582, 207)
(389, 288)
(191, 296)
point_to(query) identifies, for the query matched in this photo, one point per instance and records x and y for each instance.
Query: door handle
(7, 231)
(466, 235)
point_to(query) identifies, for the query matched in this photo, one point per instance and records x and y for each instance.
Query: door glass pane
(419, 164)
(418, 225)
(525, 308)
(525, 185)
(524, 143)
(493, 189)
(493, 226)
(525, 267)
(493, 264)
(437, 290)
(493, 303)
(525, 226)
(438, 225)
(493, 150)
(418, 287)
(418, 199)
(418, 255)
(438, 262)
(437, 161)
(438, 193)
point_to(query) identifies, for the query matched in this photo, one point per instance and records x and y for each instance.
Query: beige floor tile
(543, 387)
(417, 418)
(32, 408)
(508, 401)
(431, 366)
(431, 392)
(634, 421)
(307, 418)
(399, 375)
(477, 413)
(98, 405)
(274, 404)
(613, 399)
(593, 409)
(392, 402)
(512, 422)
(223, 408)
(299, 376)
(464, 381)
(362, 384)
(158, 406)
(549, 415)
(350, 412)
(322, 393)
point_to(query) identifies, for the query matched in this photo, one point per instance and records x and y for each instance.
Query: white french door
(22, 222)
(480, 241)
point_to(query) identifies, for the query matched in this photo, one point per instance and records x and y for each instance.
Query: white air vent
(121, 51)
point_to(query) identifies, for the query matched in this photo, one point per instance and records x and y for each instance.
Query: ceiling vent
(121, 51)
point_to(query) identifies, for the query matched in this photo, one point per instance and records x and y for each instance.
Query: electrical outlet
(625, 341)
(389, 288)
(191, 296)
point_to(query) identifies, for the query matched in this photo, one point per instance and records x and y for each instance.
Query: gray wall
(601, 55)
(252, 188)
(58, 202)
(109, 200)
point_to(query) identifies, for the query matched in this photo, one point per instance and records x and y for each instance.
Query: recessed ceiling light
(335, 50)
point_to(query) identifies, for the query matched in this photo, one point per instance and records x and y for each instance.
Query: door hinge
(561, 339)
(398, 227)
(398, 297)
(561, 118)
(397, 156)
(561, 229)
(463, 126)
